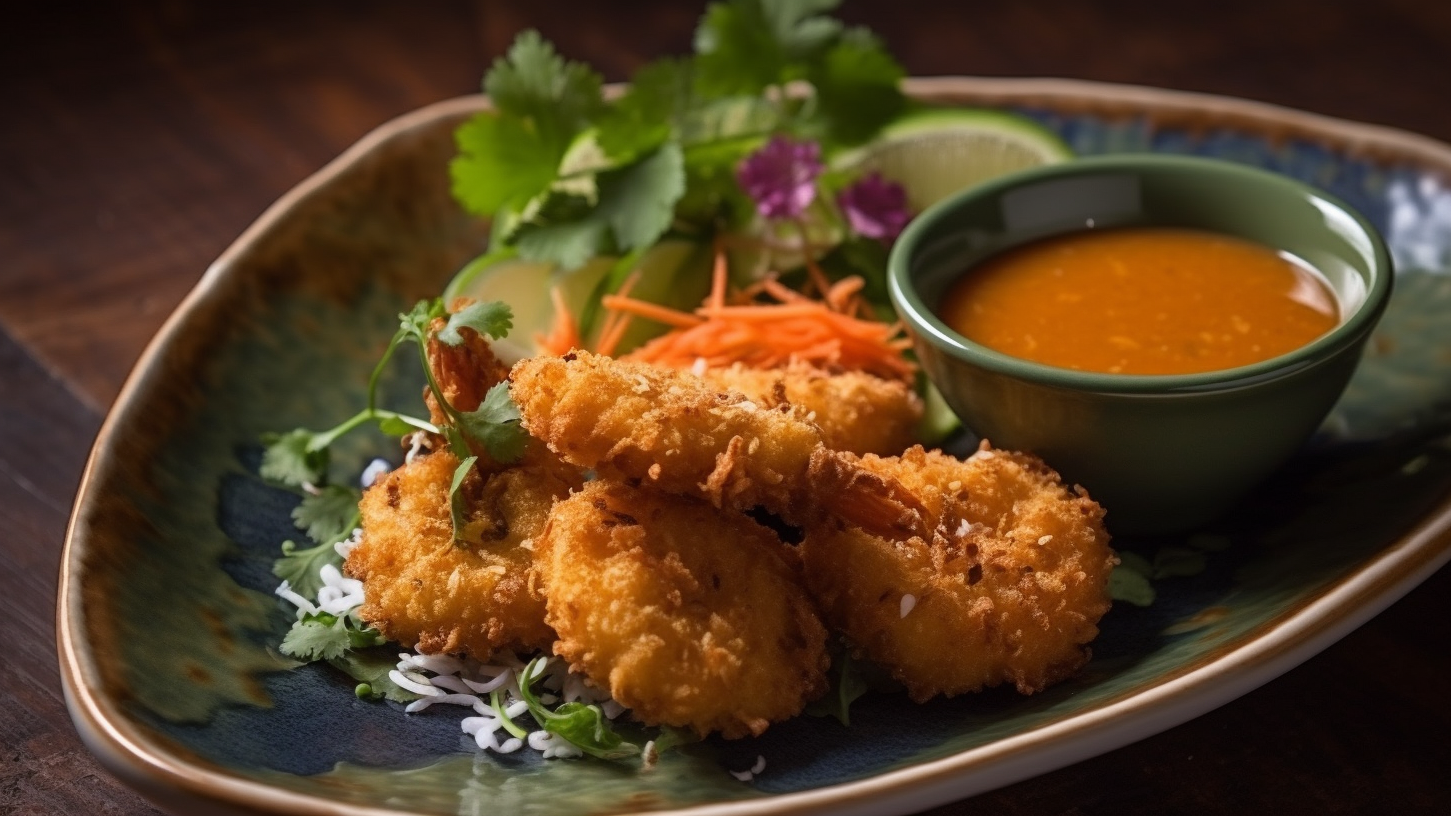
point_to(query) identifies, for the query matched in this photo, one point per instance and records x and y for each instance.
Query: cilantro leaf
(858, 88)
(299, 568)
(330, 515)
(293, 458)
(500, 164)
(746, 46)
(635, 206)
(317, 636)
(457, 506)
(512, 156)
(638, 201)
(370, 667)
(395, 425)
(651, 111)
(495, 425)
(534, 84)
(414, 323)
(568, 245)
(492, 319)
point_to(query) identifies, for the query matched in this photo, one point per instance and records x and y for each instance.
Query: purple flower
(781, 177)
(875, 207)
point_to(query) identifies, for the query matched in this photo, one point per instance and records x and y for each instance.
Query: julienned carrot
(728, 328)
(564, 333)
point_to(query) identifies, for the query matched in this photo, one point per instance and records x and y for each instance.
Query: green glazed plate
(167, 624)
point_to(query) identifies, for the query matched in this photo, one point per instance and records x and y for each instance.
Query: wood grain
(139, 139)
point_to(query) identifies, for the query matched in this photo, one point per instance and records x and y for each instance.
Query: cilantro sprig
(299, 458)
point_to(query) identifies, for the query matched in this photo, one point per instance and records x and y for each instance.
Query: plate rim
(170, 776)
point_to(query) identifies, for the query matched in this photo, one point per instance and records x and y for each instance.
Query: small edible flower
(875, 207)
(781, 177)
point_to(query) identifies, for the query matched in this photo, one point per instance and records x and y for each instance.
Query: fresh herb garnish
(323, 636)
(299, 457)
(582, 725)
(568, 175)
(370, 667)
(847, 684)
(330, 515)
(301, 568)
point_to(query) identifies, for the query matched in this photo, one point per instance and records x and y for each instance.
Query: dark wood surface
(137, 140)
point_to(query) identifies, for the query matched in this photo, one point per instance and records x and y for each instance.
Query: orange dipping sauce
(1141, 300)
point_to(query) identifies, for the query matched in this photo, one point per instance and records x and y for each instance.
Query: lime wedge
(670, 274)
(935, 152)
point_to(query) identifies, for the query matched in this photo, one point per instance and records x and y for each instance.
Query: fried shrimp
(1008, 588)
(688, 615)
(668, 429)
(427, 592)
(856, 411)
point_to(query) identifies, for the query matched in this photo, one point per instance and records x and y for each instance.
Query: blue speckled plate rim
(175, 779)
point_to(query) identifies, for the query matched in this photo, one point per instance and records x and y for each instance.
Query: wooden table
(137, 141)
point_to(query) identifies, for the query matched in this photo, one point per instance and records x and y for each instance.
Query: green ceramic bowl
(1162, 452)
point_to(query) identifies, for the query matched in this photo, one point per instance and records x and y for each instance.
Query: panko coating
(1008, 588)
(465, 373)
(688, 615)
(668, 429)
(429, 593)
(856, 411)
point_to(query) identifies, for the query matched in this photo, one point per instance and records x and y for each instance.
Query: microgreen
(584, 726)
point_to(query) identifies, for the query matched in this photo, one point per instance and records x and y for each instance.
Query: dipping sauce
(1141, 300)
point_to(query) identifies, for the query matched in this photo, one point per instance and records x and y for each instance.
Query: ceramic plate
(166, 611)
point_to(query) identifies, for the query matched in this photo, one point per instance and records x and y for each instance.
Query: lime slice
(935, 152)
(668, 275)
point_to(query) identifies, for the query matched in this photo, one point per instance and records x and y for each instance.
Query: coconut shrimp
(668, 429)
(1007, 587)
(428, 592)
(856, 411)
(688, 615)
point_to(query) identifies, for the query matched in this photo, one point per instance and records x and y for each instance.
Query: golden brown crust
(856, 411)
(1010, 587)
(667, 429)
(427, 592)
(688, 615)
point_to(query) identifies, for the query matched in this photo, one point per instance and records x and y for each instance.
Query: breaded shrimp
(1009, 586)
(464, 374)
(668, 429)
(856, 411)
(688, 615)
(427, 592)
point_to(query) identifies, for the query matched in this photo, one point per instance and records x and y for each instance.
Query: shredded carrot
(564, 333)
(613, 331)
(724, 330)
(651, 311)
